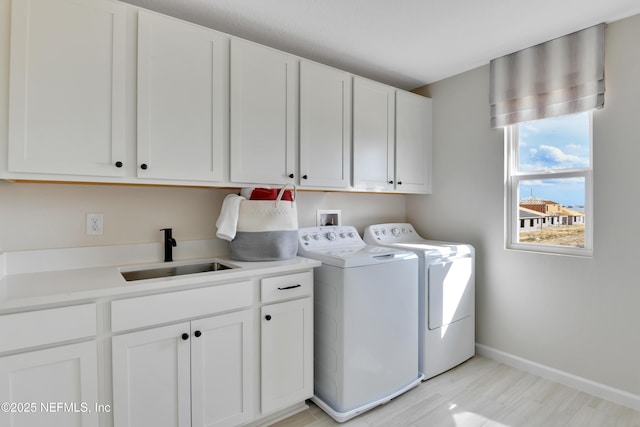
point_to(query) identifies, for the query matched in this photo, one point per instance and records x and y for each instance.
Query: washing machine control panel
(390, 233)
(325, 237)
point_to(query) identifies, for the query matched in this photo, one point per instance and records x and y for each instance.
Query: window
(548, 185)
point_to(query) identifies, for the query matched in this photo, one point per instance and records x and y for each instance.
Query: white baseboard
(596, 389)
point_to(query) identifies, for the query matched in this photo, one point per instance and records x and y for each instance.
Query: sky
(551, 145)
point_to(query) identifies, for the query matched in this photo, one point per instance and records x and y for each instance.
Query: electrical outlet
(95, 223)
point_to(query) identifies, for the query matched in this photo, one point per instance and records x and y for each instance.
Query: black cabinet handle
(391, 182)
(185, 336)
(289, 287)
(118, 164)
(268, 317)
(305, 177)
(197, 334)
(399, 182)
(291, 175)
(144, 166)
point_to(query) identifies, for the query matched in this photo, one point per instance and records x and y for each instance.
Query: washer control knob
(316, 236)
(352, 234)
(376, 232)
(343, 235)
(305, 237)
(384, 232)
(395, 231)
(331, 235)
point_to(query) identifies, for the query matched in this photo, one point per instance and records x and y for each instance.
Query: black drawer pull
(290, 287)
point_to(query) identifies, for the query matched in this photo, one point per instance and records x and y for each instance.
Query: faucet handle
(168, 237)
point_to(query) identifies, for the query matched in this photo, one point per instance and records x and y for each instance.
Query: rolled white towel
(246, 192)
(228, 220)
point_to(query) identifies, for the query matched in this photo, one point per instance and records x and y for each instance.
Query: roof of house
(529, 213)
(537, 201)
(571, 212)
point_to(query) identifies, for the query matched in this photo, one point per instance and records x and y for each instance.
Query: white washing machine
(365, 321)
(447, 295)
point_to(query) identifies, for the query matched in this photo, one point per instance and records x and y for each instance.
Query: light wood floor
(482, 392)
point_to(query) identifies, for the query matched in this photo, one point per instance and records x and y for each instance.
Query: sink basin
(177, 270)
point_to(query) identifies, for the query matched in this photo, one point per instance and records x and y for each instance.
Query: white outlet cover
(95, 224)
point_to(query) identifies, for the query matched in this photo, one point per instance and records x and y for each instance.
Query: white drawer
(287, 287)
(152, 310)
(43, 327)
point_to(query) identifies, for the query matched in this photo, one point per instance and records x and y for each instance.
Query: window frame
(513, 177)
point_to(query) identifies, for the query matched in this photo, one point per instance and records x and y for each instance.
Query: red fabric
(270, 194)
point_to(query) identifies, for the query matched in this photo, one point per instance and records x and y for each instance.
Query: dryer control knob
(343, 236)
(331, 235)
(352, 234)
(316, 236)
(395, 231)
(306, 237)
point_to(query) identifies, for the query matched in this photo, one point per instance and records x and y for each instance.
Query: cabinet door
(287, 354)
(182, 92)
(221, 370)
(43, 380)
(325, 126)
(263, 114)
(67, 86)
(373, 135)
(413, 142)
(151, 377)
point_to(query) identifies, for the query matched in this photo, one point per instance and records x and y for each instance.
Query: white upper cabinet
(212, 109)
(391, 139)
(67, 87)
(263, 114)
(182, 99)
(413, 143)
(373, 135)
(325, 126)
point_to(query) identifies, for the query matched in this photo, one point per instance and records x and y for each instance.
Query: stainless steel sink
(177, 270)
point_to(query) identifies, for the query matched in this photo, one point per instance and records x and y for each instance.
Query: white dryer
(447, 295)
(365, 321)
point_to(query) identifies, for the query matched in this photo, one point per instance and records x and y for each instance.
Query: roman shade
(561, 76)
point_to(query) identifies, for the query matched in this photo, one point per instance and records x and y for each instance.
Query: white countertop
(25, 290)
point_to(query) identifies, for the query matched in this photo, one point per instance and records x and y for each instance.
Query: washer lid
(346, 257)
(342, 247)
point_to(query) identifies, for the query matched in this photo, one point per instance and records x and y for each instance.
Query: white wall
(577, 315)
(43, 216)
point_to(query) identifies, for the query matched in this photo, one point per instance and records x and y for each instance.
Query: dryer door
(451, 291)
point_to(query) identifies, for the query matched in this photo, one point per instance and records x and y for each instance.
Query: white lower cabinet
(286, 338)
(54, 387)
(287, 354)
(194, 373)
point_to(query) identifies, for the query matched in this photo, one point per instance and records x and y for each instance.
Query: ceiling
(404, 43)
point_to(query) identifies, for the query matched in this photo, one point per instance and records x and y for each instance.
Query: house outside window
(549, 185)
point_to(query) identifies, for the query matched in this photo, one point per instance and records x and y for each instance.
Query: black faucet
(169, 244)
